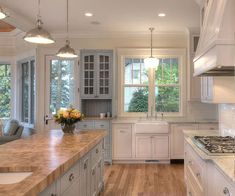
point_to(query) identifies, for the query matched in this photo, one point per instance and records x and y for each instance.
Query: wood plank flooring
(144, 180)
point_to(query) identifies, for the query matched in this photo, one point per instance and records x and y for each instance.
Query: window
(148, 90)
(136, 86)
(61, 84)
(5, 91)
(28, 91)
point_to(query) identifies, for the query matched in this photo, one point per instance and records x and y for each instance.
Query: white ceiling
(114, 16)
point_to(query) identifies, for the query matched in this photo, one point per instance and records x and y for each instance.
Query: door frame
(48, 59)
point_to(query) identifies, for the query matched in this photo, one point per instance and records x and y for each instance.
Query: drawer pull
(93, 172)
(97, 151)
(85, 166)
(84, 125)
(52, 194)
(226, 191)
(102, 125)
(190, 193)
(121, 131)
(71, 177)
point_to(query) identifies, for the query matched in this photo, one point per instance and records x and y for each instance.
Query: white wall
(194, 109)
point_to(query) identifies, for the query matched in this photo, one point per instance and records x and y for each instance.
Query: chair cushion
(11, 127)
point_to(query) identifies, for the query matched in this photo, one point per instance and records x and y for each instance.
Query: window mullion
(29, 91)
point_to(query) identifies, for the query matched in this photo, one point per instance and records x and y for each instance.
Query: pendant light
(66, 51)
(38, 35)
(2, 14)
(151, 62)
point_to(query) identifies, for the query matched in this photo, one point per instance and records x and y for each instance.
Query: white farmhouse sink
(151, 127)
(13, 177)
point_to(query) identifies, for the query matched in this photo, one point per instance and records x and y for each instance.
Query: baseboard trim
(140, 162)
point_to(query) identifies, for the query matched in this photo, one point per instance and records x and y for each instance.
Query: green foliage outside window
(5, 91)
(167, 91)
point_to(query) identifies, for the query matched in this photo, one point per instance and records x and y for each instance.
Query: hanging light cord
(151, 30)
(39, 21)
(67, 28)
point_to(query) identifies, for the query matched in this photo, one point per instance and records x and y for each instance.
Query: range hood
(215, 55)
(220, 71)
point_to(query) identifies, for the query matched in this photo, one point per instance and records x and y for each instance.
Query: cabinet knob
(97, 150)
(93, 172)
(198, 175)
(102, 125)
(85, 166)
(52, 194)
(84, 125)
(190, 193)
(226, 191)
(71, 177)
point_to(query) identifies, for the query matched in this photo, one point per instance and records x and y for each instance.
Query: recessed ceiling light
(161, 14)
(88, 14)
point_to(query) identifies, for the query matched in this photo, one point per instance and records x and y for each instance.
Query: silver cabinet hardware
(97, 150)
(71, 177)
(226, 191)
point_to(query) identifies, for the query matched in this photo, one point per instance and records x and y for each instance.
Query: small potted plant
(68, 118)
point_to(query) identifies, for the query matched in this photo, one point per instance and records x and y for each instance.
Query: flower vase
(68, 128)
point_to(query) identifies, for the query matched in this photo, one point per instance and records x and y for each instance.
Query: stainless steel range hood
(220, 71)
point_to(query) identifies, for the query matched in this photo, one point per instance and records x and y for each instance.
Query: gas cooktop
(216, 145)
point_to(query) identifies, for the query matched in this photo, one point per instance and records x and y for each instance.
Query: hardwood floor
(144, 180)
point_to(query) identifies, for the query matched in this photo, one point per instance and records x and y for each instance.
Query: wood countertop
(48, 155)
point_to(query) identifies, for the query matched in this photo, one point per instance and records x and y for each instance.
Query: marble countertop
(226, 164)
(169, 120)
(48, 155)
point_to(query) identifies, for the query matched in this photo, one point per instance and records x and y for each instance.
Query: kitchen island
(56, 164)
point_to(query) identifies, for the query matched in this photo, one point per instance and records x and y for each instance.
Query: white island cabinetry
(84, 178)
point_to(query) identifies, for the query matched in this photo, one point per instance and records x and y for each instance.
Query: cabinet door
(160, 145)
(94, 187)
(85, 176)
(177, 139)
(88, 82)
(104, 89)
(49, 191)
(143, 147)
(73, 190)
(122, 141)
(107, 140)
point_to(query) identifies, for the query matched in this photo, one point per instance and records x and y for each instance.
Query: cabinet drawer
(195, 165)
(69, 177)
(101, 125)
(96, 154)
(208, 126)
(86, 125)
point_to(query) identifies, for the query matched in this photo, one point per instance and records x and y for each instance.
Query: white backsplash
(227, 119)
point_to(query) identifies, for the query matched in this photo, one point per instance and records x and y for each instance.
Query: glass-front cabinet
(96, 80)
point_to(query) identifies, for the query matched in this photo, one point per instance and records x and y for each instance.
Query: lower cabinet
(152, 146)
(177, 136)
(122, 141)
(85, 178)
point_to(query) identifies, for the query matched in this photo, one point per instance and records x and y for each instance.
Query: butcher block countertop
(48, 155)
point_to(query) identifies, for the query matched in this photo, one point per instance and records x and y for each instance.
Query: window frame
(179, 53)
(20, 91)
(11, 86)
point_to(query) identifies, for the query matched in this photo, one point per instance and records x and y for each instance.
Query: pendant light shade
(66, 51)
(2, 14)
(38, 35)
(151, 62)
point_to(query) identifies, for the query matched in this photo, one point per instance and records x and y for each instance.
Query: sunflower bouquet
(67, 118)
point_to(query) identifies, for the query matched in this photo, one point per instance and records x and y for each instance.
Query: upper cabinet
(216, 47)
(96, 74)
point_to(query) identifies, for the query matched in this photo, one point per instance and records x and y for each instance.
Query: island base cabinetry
(84, 178)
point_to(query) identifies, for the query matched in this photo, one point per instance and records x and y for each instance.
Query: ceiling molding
(17, 20)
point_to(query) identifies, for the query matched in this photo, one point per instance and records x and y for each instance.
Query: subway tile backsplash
(227, 119)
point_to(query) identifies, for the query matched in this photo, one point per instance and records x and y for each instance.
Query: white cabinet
(177, 136)
(96, 72)
(143, 147)
(218, 89)
(152, 146)
(122, 141)
(50, 190)
(73, 190)
(177, 139)
(160, 147)
(85, 175)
